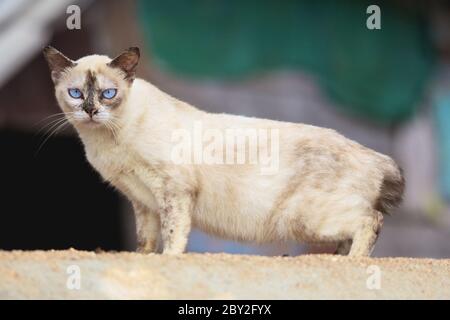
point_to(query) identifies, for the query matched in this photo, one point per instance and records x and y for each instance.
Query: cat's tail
(391, 189)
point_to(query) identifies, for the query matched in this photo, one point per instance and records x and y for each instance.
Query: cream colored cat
(322, 187)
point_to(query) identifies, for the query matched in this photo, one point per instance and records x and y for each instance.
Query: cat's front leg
(147, 227)
(175, 215)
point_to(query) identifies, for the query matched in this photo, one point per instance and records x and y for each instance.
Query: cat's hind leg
(343, 247)
(366, 235)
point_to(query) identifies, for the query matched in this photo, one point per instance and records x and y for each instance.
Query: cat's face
(92, 89)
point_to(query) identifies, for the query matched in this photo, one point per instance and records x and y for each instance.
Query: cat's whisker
(114, 119)
(110, 126)
(61, 127)
(53, 121)
(55, 128)
(52, 116)
(115, 124)
(50, 135)
(54, 125)
(49, 127)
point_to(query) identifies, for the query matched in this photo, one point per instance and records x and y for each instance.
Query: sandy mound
(58, 274)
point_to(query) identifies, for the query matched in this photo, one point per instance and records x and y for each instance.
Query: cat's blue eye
(75, 93)
(109, 93)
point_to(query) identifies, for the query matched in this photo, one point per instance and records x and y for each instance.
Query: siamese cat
(321, 186)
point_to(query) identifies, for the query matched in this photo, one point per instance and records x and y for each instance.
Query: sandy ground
(46, 275)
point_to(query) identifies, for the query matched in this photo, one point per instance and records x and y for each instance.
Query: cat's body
(324, 189)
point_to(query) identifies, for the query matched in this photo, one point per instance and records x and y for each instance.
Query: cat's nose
(91, 112)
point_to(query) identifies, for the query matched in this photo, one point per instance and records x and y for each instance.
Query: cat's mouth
(91, 121)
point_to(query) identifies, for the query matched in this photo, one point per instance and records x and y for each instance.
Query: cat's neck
(97, 139)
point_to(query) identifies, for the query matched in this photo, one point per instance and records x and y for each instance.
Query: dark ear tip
(49, 49)
(135, 50)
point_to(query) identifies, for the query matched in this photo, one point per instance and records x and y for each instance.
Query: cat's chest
(123, 169)
(110, 161)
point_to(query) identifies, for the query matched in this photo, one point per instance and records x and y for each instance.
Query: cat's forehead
(95, 68)
(92, 61)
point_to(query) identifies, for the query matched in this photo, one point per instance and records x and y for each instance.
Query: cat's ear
(57, 62)
(127, 62)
